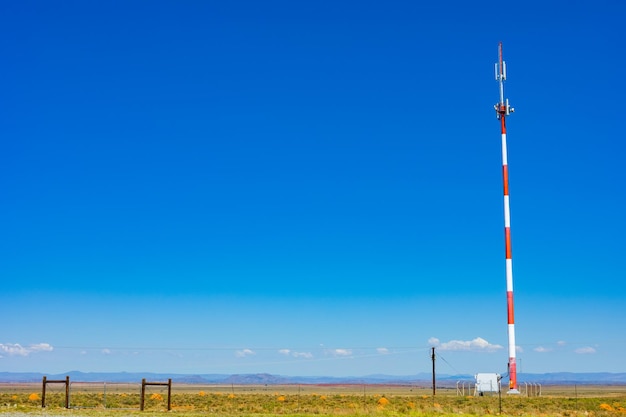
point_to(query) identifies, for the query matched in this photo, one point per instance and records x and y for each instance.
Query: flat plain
(110, 399)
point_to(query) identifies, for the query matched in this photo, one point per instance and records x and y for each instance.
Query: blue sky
(309, 188)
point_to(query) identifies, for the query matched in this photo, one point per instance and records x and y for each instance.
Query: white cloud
(561, 343)
(245, 352)
(288, 352)
(41, 347)
(585, 350)
(542, 349)
(519, 349)
(106, 351)
(339, 352)
(382, 351)
(15, 349)
(476, 345)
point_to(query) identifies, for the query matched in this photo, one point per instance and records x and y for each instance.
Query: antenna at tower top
(502, 108)
(500, 65)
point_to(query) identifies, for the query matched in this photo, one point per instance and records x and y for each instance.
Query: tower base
(513, 392)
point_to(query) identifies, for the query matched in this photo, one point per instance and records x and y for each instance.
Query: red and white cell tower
(502, 111)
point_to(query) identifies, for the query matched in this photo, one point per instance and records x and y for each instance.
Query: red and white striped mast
(502, 111)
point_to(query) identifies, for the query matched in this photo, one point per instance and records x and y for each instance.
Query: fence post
(143, 393)
(169, 394)
(67, 392)
(43, 393)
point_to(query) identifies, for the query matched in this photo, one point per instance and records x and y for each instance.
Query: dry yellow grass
(231, 401)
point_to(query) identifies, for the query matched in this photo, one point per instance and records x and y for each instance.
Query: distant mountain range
(422, 379)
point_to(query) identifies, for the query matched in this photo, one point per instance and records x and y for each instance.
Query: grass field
(92, 399)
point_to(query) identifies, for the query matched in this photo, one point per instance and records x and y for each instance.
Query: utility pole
(434, 383)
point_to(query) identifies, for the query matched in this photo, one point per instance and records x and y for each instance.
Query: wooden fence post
(143, 393)
(169, 394)
(43, 393)
(67, 392)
